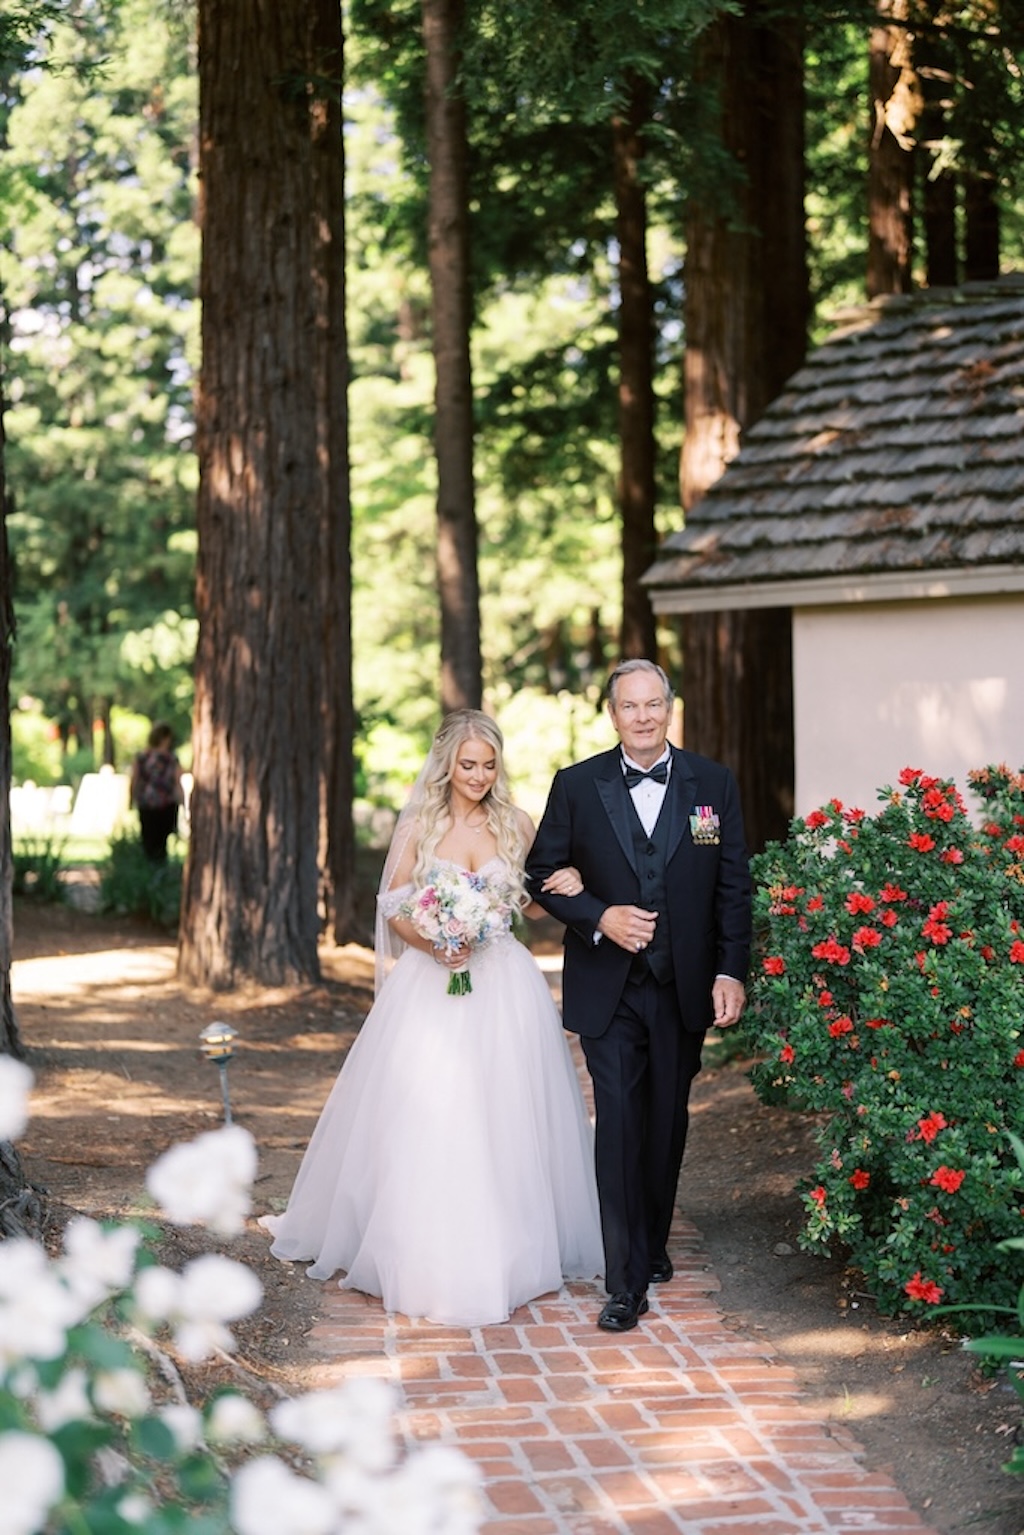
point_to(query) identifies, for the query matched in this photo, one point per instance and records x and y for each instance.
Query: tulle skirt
(451, 1172)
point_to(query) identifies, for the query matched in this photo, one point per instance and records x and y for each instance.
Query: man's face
(640, 716)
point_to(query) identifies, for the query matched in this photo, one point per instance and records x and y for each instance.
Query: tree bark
(981, 229)
(10, 1039)
(250, 905)
(332, 373)
(450, 281)
(896, 106)
(637, 485)
(746, 326)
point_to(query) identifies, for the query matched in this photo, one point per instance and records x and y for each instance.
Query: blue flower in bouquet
(457, 909)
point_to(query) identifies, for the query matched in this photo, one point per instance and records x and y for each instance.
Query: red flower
(859, 902)
(1017, 952)
(921, 842)
(816, 818)
(951, 855)
(824, 999)
(988, 952)
(892, 893)
(818, 1195)
(854, 816)
(935, 929)
(815, 902)
(889, 919)
(948, 1179)
(923, 1289)
(836, 804)
(860, 1179)
(836, 953)
(877, 1023)
(840, 1026)
(775, 965)
(909, 776)
(1015, 844)
(1018, 1059)
(992, 829)
(787, 1053)
(929, 1127)
(866, 938)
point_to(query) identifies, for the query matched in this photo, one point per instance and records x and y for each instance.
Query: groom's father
(657, 943)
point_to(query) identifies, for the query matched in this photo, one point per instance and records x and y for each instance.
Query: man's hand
(728, 997)
(630, 927)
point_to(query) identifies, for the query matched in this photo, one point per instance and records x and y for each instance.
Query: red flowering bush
(889, 1000)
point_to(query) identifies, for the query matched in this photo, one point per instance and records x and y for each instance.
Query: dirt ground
(113, 1039)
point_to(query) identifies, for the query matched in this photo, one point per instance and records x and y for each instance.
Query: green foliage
(890, 1002)
(37, 867)
(133, 885)
(1006, 1348)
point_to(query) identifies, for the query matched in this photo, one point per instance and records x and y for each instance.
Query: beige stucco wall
(937, 685)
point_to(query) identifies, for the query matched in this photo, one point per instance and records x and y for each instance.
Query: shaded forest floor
(113, 1040)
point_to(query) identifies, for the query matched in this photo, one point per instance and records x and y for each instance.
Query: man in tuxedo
(657, 944)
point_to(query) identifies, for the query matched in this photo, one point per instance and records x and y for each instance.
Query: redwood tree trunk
(10, 1040)
(745, 336)
(637, 492)
(448, 247)
(332, 371)
(250, 906)
(895, 104)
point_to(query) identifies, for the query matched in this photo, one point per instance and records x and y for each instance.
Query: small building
(881, 501)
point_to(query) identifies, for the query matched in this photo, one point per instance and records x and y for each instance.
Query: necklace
(464, 821)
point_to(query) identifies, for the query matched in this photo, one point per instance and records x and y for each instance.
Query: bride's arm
(567, 881)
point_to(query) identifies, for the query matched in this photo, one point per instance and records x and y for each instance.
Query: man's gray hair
(625, 668)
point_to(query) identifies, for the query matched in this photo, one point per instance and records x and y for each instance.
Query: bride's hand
(566, 881)
(453, 959)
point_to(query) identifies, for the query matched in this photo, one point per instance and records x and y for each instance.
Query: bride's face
(474, 771)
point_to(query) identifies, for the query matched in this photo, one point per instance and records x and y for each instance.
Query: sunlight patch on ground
(74, 974)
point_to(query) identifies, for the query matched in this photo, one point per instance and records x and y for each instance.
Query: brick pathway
(679, 1426)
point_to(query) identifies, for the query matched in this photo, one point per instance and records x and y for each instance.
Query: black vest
(651, 855)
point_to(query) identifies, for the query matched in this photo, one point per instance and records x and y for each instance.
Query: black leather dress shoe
(623, 1311)
(661, 1269)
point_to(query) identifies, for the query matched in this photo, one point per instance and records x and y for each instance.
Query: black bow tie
(657, 774)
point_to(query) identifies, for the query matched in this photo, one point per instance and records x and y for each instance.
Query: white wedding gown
(451, 1171)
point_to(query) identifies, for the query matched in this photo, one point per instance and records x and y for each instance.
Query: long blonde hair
(434, 810)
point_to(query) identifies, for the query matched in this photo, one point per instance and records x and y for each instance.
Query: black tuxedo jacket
(590, 822)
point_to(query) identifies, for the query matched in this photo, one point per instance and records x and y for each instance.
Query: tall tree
(745, 335)
(251, 888)
(332, 369)
(450, 280)
(637, 479)
(895, 110)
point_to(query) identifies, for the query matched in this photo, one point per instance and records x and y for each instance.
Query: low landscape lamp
(218, 1042)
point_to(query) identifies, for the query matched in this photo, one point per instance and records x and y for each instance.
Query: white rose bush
(97, 1436)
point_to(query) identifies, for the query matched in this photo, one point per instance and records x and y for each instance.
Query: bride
(451, 1172)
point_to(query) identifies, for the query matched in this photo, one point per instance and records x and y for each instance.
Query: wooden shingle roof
(892, 465)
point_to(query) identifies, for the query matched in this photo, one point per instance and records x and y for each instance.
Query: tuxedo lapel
(615, 799)
(682, 790)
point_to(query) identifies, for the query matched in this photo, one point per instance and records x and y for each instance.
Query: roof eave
(830, 591)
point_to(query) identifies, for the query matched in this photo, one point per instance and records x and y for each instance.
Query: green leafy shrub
(37, 868)
(890, 1001)
(132, 885)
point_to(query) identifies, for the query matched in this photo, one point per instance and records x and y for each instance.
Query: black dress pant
(642, 1068)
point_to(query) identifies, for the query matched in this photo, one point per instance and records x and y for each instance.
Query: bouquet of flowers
(455, 908)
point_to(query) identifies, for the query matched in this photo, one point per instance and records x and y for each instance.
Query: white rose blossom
(233, 1419)
(135, 1508)
(123, 1392)
(97, 1263)
(185, 1423)
(68, 1402)
(269, 1499)
(209, 1292)
(32, 1478)
(15, 1084)
(36, 1309)
(207, 1182)
(354, 1419)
